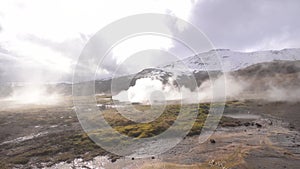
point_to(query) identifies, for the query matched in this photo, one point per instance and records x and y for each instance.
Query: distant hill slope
(270, 68)
(232, 60)
(280, 76)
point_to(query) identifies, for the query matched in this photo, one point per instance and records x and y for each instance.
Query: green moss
(159, 125)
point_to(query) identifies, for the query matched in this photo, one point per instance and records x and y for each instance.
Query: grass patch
(159, 125)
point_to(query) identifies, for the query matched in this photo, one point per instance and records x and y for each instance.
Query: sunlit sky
(40, 40)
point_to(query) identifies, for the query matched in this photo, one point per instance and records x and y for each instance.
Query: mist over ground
(253, 82)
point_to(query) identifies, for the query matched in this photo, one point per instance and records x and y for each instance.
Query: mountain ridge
(232, 60)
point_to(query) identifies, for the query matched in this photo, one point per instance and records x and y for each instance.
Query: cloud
(46, 37)
(41, 40)
(249, 25)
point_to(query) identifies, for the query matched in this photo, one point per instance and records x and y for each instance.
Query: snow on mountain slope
(192, 69)
(230, 60)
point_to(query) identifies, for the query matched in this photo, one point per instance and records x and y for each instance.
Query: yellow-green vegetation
(159, 125)
(104, 100)
(235, 103)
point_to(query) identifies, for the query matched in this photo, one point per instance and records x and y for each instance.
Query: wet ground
(259, 135)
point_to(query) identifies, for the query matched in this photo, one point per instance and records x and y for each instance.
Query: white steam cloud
(33, 95)
(147, 90)
(283, 94)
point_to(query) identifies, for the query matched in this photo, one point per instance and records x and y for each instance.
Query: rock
(247, 124)
(291, 126)
(230, 124)
(258, 125)
(270, 123)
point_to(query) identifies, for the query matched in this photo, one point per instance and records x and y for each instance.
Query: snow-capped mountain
(230, 60)
(152, 73)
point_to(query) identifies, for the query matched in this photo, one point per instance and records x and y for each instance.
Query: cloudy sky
(40, 40)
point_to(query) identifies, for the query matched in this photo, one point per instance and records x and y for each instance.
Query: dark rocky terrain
(251, 135)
